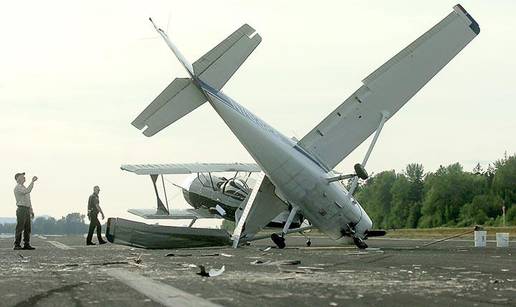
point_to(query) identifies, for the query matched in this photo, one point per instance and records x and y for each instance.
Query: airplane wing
(189, 168)
(176, 214)
(388, 88)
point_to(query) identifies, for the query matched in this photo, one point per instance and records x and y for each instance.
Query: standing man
(93, 212)
(24, 213)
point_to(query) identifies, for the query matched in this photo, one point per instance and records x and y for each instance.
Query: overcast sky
(74, 74)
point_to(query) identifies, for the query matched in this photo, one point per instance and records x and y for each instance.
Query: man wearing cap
(24, 213)
(93, 212)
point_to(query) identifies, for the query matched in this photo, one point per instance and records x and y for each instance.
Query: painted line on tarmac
(157, 291)
(431, 239)
(60, 245)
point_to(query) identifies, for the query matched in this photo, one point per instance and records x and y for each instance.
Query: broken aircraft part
(126, 232)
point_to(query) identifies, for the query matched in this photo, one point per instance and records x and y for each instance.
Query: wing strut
(165, 192)
(385, 116)
(161, 206)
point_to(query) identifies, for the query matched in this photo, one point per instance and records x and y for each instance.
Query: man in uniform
(24, 213)
(93, 212)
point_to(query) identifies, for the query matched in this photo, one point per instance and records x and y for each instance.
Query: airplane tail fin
(214, 68)
(174, 49)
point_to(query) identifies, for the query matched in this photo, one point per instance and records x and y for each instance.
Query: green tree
(483, 209)
(376, 197)
(504, 181)
(446, 191)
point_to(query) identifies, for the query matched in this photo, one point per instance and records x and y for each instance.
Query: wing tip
(474, 26)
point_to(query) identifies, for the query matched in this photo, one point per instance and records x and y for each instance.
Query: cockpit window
(235, 188)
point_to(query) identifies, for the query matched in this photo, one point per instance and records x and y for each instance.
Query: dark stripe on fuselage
(242, 111)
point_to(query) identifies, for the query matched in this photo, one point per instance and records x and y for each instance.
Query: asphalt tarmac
(62, 271)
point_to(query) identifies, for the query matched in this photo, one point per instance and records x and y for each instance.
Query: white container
(502, 239)
(480, 238)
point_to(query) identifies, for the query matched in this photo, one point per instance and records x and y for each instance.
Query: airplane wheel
(360, 243)
(308, 243)
(279, 241)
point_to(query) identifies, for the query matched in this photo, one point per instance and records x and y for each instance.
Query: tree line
(72, 223)
(447, 197)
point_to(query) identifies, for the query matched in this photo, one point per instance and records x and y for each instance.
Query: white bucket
(480, 238)
(502, 239)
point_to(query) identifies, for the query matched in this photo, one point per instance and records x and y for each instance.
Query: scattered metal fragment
(178, 255)
(310, 268)
(210, 273)
(110, 263)
(279, 262)
(139, 259)
(268, 248)
(287, 262)
(218, 272)
(203, 272)
(296, 271)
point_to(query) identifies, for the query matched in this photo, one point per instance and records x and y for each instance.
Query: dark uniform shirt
(93, 201)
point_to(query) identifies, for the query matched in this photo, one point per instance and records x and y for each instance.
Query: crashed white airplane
(300, 173)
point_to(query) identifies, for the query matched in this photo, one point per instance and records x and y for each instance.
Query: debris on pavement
(210, 273)
(279, 262)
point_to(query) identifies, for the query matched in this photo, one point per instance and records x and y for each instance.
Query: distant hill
(7, 220)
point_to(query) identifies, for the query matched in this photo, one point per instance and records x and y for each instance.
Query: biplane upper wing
(189, 168)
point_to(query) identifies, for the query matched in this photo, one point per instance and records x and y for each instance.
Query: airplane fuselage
(300, 180)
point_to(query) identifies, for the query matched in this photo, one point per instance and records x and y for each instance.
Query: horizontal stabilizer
(186, 214)
(218, 65)
(178, 99)
(388, 88)
(189, 168)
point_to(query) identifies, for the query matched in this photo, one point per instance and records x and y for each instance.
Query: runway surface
(62, 271)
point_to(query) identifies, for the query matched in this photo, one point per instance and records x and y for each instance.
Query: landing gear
(278, 240)
(359, 243)
(308, 243)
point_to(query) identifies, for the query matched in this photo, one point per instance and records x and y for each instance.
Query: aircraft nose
(365, 223)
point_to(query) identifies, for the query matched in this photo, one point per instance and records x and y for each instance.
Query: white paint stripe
(60, 245)
(157, 291)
